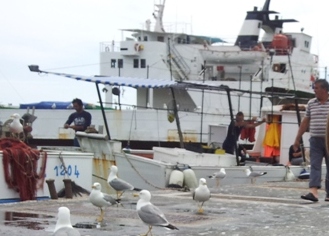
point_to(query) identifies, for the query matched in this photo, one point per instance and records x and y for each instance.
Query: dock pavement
(272, 208)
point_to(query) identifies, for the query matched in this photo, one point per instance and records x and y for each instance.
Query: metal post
(232, 119)
(177, 118)
(169, 55)
(301, 138)
(202, 102)
(103, 112)
(119, 88)
(250, 97)
(147, 90)
(240, 67)
(261, 88)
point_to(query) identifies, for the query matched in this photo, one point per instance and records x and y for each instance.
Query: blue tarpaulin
(52, 105)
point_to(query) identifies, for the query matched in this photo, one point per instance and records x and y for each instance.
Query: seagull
(150, 214)
(221, 174)
(253, 175)
(15, 126)
(201, 193)
(118, 184)
(100, 199)
(289, 174)
(63, 225)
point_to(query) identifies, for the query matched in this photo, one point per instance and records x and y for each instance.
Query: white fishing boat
(268, 63)
(164, 160)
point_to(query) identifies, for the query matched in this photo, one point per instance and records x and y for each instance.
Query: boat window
(259, 25)
(145, 38)
(280, 68)
(188, 40)
(136, 63)
(306, 44)
(160, 39)
(139, 38)
(120, 63)
(143, 63)
(113, 61)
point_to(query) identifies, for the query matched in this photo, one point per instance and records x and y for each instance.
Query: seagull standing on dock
(201, 194)
(219, 175)
(289, 174)
(15, 126)
(150, 214)
(63, 225)
(100, 199)
(253, 175)
(118, 184)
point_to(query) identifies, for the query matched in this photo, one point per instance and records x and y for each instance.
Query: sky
(65, 36)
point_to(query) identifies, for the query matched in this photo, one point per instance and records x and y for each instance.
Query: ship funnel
(249, 33)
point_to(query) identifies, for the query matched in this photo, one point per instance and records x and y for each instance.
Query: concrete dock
(273, 208)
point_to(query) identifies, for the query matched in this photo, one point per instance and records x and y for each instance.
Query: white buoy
(190, 179)
(176, 179)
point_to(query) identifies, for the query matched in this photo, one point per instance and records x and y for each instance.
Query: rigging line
(76, 66)
(11, 85)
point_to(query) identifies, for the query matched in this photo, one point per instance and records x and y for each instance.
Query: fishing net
(21, 170)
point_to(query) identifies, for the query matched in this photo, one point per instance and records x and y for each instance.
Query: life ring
(138, 47)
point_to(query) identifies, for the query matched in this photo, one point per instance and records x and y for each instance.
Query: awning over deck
(136, 82)
(133, 82)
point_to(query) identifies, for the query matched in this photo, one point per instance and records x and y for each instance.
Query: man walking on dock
(316, 120)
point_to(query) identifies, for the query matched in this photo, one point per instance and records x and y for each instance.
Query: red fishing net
(20, 165)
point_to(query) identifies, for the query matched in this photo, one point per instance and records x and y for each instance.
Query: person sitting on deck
(295, 156)
(243, 154)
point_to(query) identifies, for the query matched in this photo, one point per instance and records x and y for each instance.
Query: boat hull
(78, 166)
(141, 172)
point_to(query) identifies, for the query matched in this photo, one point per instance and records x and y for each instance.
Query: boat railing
(112, 46)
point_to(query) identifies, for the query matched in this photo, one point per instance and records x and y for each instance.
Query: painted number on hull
(59, 170)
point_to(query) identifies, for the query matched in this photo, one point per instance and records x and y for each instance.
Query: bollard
(68, 188)
(52, 188)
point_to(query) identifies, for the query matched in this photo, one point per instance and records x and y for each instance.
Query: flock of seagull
(150, 214)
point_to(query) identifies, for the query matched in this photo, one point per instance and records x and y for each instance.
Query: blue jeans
(76, 142)
(317, 152)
